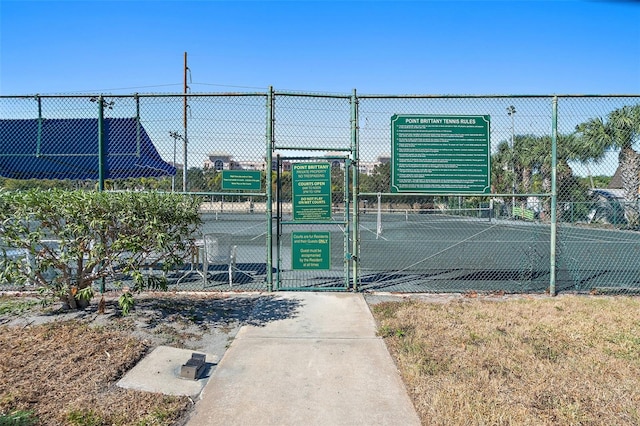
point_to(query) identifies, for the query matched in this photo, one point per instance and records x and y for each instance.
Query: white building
(225, 161)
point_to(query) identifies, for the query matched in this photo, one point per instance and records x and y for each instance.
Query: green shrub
(74, 238)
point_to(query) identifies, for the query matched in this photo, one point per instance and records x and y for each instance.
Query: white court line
(445, 249)
(373, 232)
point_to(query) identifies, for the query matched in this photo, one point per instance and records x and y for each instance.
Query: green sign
(248, 180)
(311, 250)
(440, 154)
(311, 191)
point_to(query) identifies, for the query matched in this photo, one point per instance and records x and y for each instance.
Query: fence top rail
(451, 194)
(141, 95)
(361, 96)
(315, 95)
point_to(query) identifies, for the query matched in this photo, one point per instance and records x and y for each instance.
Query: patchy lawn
(568, 360)
(65, 373)
(61, 368)
(465, 361)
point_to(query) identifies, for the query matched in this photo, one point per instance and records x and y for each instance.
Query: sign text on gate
(440, 154)
(311, 250)
(311, 191)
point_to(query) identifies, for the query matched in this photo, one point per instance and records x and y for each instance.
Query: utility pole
(184, 142)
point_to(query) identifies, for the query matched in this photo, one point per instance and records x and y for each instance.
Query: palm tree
(501, 168)
(526, 161)
(569, 148)
(514, 169)
(619, 130)
(528, 167)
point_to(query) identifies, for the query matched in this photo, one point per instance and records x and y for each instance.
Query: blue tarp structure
(68, 149)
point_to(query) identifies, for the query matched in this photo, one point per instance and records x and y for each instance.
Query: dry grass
(61, 367)
(64, 373)
(568, 360)
(565, 360)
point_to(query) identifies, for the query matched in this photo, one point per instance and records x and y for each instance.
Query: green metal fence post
(101, 155)
(269, 188)
(185, 166)
(554, 196)
(356, 188)
(100, 143)
(137, 98)
(348, 165)
(39, 142)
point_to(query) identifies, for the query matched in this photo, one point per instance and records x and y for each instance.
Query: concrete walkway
(323, 365)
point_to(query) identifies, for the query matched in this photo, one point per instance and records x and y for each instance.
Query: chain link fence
(598, 171)
(560, 212)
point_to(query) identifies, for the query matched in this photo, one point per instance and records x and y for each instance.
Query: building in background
(225, 161)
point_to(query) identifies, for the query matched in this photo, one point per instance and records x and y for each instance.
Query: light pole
(511, 111)
(175, 136)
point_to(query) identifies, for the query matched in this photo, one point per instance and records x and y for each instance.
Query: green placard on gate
(311, 191)
(248, 180)
(310, 250)
(440, 154)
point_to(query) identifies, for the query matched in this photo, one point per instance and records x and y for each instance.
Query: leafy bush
(73, 238)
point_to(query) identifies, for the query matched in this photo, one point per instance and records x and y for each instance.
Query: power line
(229, 85)
(93, 91)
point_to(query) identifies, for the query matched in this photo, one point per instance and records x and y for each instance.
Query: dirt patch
(62, 367)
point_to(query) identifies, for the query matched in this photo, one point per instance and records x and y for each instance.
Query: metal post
(347, 229)
(100, 143)
(269, 188)
(184, 142)
(355, 254)
(137, 98)
(184, 166)
(173, 178)
(39, 143)
(554, 196)
(379, 217)
(101, 160)
(278, 219)
(511, 111)
(175, 136)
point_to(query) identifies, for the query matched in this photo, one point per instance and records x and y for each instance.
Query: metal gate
(313, 224)
(314, 231)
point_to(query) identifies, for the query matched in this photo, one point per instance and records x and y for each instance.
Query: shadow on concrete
(273, 308)
(209, 367)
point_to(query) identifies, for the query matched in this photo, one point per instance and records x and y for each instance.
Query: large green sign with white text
(311, 191)
(440, 154)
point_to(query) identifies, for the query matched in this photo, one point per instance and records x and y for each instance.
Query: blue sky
(376, 47)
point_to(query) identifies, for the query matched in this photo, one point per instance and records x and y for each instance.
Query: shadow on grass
(174, 310)
(232, 310)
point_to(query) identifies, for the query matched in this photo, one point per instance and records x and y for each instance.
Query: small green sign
(440, 154)
(311, 191)
(248, 180)
(311, 250)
